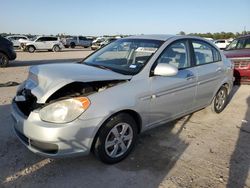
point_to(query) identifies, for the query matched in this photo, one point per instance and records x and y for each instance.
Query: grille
(29, 104)
(241, 64)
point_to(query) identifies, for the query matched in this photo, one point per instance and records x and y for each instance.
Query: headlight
(64, 111)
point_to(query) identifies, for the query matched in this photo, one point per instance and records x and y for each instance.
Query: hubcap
(56, 48)
(31, 49)
(220, 100)
(118, 140)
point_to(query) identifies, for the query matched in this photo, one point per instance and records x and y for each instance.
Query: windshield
(125, 56)
(241, 43)
(33, 38)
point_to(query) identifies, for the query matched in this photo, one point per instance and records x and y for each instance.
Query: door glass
(175, 54)
(203, 52)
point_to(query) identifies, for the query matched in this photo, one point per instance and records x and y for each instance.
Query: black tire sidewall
(31, 47)
(72, 45)
(56, 47)
(103, 133)
(5, 63)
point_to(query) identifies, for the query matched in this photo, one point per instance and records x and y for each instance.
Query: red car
(239, 52)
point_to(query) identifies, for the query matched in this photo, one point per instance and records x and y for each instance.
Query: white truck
(77, 41)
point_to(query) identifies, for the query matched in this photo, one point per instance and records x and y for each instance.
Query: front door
(173, 95)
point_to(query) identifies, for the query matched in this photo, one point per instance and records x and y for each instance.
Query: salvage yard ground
(199, 150)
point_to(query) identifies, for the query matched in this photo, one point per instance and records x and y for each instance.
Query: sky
(113, 17)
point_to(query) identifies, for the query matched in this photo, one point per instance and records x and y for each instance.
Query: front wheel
(116, 138)
(31, 49)
(72, 45)
(4, 60)
(220, 100)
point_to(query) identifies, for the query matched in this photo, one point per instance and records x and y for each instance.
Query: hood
(242, 53)
(24, 41)
(44, 80)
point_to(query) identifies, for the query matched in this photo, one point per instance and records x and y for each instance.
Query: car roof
(163, 37)
(245, 36)
(16, 36)
(47, 36)
(152, 37)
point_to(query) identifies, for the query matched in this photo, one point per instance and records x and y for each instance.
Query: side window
(247, 43)
(82, 38)
(41, 39)
(205, 53)
(53, 39)
(240, 44)
(175, 54)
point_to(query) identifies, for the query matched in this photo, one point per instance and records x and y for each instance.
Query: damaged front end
(26, 101)
(47, 84)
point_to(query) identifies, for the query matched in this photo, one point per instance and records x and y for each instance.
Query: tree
(182, 33)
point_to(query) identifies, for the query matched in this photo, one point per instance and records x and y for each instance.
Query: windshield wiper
(98, 66)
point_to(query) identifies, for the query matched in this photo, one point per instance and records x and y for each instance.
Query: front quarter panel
(131, 95)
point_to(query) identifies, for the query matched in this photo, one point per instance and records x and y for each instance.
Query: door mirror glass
(163, 69)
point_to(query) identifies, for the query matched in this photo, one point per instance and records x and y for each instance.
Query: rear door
(209, 68)
(50, 42)
(173, 95)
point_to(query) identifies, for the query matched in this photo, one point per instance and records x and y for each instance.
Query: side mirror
(163, 69)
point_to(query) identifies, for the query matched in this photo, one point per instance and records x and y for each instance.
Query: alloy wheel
(118, 140)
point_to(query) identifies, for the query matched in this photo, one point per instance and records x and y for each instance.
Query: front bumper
(54, 140)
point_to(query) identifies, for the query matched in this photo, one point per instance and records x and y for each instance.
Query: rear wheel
(4, 60)
(220, 100)
(56, 48)
(116, 138)
(31, 49)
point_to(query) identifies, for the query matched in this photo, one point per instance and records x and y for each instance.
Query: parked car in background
(7, 52)
(239, 52)
(127, 87)
(107, 41)
(96, 44)
(15, 39)
(42, 43)
(209, 39)
(221, 43)
(72, 42)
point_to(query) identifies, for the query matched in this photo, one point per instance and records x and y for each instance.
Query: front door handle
(190, 76)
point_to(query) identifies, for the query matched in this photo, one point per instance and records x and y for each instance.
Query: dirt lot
(200, 150)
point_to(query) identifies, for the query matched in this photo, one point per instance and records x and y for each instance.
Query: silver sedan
(104, 102)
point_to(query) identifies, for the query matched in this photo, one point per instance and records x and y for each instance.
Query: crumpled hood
(44, 80)
(24, 41)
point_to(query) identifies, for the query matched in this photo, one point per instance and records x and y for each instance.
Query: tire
(4, 60)
(72, 45)
(31, 49)
(220, 100)
(56, 48)
(116, 139)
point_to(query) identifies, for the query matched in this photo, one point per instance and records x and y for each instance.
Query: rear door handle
(219, 69)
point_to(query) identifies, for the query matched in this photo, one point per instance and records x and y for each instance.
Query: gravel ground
(199, 150)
